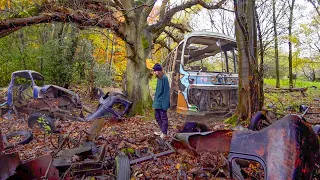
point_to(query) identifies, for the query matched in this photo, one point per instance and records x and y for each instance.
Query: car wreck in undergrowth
(27, 94)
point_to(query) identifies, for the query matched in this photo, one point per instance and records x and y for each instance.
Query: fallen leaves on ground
(130, 136)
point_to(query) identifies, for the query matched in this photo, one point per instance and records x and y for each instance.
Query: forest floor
(137, 133)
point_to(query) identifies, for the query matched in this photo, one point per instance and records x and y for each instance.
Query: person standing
(161, 102)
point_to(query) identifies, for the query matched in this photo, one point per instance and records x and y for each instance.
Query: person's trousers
(162, 119)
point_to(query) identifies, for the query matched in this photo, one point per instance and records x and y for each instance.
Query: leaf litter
(135, 136)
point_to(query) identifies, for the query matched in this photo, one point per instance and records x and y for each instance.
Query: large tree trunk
(137, 73)
(246, 35)
(261, 65)
(138, 86)
(290, 45)
(276, 51)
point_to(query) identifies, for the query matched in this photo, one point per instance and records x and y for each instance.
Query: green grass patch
(283, 101)
(284, 83)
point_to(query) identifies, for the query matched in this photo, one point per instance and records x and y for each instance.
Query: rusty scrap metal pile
(287, 149)
(117, 148)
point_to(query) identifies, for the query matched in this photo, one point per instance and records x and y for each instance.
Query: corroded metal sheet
(288, 148)
(8, 162)
(217, 141)
(36, 169)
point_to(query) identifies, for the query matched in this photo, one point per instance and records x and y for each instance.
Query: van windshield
(210, 54)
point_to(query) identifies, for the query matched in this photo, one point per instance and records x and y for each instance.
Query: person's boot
(162, 135)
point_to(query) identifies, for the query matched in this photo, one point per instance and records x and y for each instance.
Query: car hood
(46, 87)
(67, 91)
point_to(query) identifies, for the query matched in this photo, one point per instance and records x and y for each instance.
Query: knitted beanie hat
(157, 67)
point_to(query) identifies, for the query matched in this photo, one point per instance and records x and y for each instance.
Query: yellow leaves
(5, 4)
(178, 166)
(103, 53)
(196, 8)
(118, 15)
(149, 63)
(91, 15)
(305, 29)
(99, 54)
(292, 38)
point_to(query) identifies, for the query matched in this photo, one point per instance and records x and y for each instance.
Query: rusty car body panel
(287, 149)
(8, 162)
(107, 104)
(39, 168)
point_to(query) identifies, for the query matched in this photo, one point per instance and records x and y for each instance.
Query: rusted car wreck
(287, 149)
(27, 94)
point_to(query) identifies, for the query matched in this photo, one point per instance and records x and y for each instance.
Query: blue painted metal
(32, 75)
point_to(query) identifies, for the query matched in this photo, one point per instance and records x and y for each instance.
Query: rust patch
(280, 155)
(37, 169)
(260, 151)
(217, 141)
(8, 162)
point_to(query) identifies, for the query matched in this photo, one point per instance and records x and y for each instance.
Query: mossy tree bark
(137, 80)
(246, 35)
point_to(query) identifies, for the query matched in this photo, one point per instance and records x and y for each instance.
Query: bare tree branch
(156, 28)
(101, 18)
(226, 9)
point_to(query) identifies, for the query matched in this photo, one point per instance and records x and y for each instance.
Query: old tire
(27, 138)
(256, 121)
(47, 124)
(122, 167)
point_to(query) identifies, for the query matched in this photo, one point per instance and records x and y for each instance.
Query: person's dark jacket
(162, 95)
